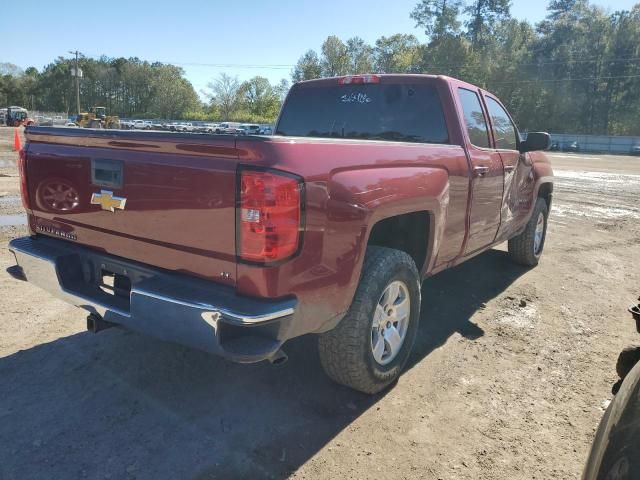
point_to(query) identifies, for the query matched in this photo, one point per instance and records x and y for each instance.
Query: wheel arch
(545, 191)
(409, 232)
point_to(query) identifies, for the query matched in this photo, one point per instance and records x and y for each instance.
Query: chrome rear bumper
(166, 305)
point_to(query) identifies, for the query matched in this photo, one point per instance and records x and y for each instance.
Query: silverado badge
(107, 201)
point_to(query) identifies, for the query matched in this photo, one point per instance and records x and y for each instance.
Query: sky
(244, 39)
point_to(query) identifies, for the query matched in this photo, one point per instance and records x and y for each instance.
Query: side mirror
(535, 141)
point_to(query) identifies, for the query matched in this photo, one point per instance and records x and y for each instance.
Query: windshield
(396, 112)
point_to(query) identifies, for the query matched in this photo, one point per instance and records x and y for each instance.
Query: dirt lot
(511, 371)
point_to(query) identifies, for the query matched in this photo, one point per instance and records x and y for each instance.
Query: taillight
(358, 79)
(22, 170)
(269, 216)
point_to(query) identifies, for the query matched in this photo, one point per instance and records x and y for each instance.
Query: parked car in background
(43, 121)
(239, 130)
(266, 130)
(250, 128)
(209, 127)
(635, 150)
(318, 229)
(555, 146)
(140, 125)
(572, 147)
(227, 127)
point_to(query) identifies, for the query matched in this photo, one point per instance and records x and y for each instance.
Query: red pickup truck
(235, 244)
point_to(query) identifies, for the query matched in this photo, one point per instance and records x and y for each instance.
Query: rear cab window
(474, 118)
(378, 111)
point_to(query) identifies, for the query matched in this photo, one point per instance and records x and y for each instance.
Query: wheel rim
(60, 196)
(390, 322)
(539, 234)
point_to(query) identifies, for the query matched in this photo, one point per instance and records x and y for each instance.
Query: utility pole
(77, 74)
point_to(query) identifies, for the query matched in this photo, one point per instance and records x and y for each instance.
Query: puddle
(10, 200)
(7, 163)
(12, 220)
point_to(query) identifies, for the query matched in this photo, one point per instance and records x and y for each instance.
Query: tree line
(576, 71)
(135, 88)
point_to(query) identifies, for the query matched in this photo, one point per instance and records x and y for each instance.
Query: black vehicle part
(95, 323)
(635, 312)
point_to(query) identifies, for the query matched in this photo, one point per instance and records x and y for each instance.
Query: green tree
(360, 56)
(260, 99)
(483, 14)
(173, 95)
(224, 93)
(438, 17)
(335, 58)
(398, 53)
(282, 89)
(307, 68)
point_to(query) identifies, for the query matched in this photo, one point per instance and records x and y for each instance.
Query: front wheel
(371, 345)
(526, 248)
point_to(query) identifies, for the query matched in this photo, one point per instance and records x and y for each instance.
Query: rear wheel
(369, 348)
(526, 248)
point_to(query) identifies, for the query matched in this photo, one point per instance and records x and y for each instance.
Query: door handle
(509, 168)
(480, 170)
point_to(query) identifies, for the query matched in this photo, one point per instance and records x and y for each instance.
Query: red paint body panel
(180, 207)
(180, 201)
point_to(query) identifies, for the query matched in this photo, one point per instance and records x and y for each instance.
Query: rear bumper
(165, 305)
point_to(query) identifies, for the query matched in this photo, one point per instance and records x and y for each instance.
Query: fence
(595, 143)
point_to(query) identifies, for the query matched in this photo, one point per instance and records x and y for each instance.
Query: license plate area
(115, 284)
(104, 282)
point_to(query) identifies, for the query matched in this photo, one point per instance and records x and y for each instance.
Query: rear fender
(366, 196)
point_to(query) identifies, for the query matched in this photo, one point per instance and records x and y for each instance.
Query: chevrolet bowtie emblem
(107, 201)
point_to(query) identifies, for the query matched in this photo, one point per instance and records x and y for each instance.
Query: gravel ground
(511, 372)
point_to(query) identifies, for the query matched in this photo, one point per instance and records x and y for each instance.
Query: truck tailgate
(166, 200)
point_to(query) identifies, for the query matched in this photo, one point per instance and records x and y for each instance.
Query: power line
(559, 62)
(566, 79)
(435, 65)
(428, 66)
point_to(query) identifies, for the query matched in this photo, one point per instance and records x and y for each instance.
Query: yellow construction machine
(97, 117)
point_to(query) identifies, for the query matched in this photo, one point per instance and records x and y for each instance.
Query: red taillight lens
(358, 79)
(22, 170)
(270, 218)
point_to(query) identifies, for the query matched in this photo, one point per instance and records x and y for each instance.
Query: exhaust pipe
(95, 323)
(278, 358)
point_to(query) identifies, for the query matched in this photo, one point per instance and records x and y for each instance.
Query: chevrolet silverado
(235, 244)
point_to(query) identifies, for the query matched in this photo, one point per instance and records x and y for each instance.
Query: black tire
(345, 352)
(627, 360)
(522, 247)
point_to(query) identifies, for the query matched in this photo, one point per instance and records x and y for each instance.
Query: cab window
(474, 118)
(503, 129)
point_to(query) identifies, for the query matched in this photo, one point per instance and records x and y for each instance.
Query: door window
(503, 129)
(474, 118)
